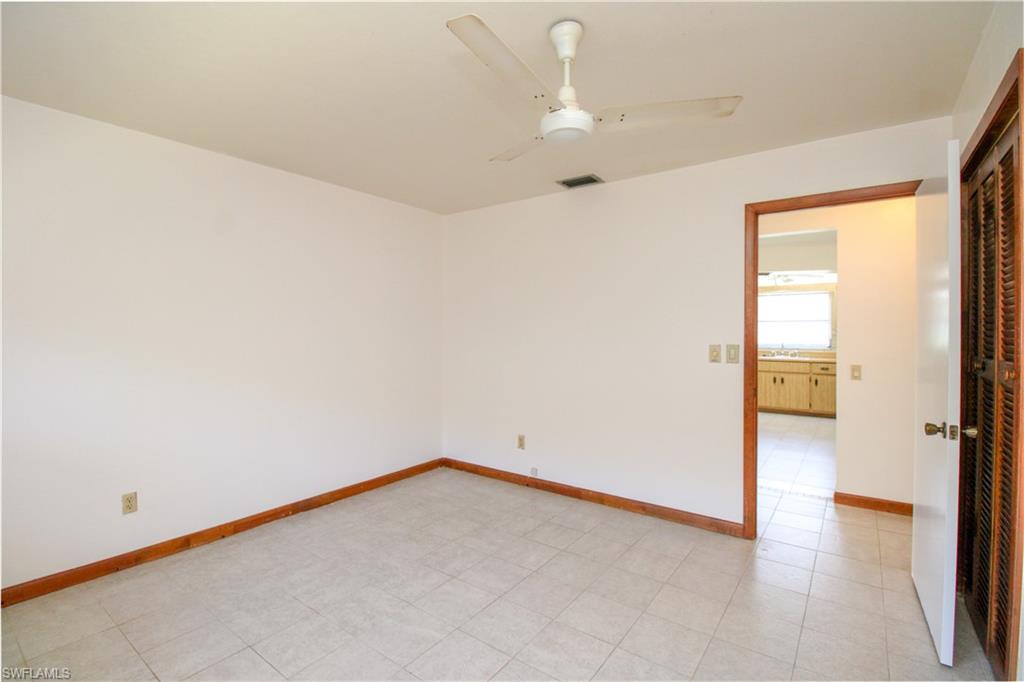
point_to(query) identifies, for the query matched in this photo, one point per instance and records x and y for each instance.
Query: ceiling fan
(563, 120)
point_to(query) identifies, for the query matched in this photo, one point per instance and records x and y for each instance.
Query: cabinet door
(823, 394)
(765, 392)
(770, 391)
(794, 391)
(776, 392)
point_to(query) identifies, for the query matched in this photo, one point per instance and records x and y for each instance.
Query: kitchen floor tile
(302, 644)
(244, 666)
(605, 619)
(543, 594)
(759, 632)
(192, 652)
(838, 658)
(104, 655)
(691, 609)
(565, 653)
(629, 589)
(669, 645)
(353, 660)
(517, 670)
(648, 564)
(622, 665)
(506, 626)
(700, 577)
(455, 601)
(725, 661)
(458, 657)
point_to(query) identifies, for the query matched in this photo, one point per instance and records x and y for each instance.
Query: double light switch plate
(732, 353)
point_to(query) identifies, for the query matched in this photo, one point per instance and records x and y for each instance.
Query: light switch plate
(732, 353)
(715, 352)
(855, 372)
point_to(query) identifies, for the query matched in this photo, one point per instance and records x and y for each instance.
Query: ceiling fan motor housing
(566, 125)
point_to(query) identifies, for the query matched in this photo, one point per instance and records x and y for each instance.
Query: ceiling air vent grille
(570, 183)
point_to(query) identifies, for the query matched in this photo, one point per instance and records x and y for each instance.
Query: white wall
(224, 337)
(876, 312)
(814, 251)
(1002, 37)
(217, 335)
(582, 319)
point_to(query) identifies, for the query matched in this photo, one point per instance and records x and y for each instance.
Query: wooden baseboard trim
(668, 513)
(73, 576)
(876, 503)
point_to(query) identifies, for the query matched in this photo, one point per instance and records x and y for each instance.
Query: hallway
(796, 454)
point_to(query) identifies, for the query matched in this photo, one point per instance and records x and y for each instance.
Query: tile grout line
(137, 652)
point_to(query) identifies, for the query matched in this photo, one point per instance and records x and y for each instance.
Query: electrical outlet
(521, 442)
(533, 471)
(732, 353)
(129, 503)
(715, 352)
(855, 372)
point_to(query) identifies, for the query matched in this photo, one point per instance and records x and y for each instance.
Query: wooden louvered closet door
(990, 466)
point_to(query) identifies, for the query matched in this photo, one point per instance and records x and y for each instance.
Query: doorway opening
(797, 337)
(795, 372)
(989, 549)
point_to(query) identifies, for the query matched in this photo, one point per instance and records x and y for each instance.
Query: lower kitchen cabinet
(823, 394)
(800, 387)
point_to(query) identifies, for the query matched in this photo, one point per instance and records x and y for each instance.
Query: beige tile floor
(796, 454)
(454, 576)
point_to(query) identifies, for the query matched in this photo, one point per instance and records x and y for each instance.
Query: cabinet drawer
(784, 367)
(823, 368)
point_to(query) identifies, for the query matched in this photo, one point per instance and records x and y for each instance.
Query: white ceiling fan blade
(518, 150)
(499, 58)
(664, 113)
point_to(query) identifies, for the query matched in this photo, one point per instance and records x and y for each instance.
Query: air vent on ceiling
(570, 183)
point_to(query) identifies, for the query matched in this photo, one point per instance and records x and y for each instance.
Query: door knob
(932, 429)
(970, 431)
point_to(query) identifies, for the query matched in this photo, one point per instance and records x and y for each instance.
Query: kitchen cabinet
(798, 386)
(823, 393)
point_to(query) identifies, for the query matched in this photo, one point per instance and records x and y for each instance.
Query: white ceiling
(382, 98)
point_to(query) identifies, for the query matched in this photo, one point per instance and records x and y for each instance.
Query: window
(794, 320)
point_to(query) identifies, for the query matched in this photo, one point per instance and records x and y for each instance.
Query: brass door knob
(932, 429)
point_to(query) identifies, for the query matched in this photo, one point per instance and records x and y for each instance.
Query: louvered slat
(1002, 204)
(986, 448)
(969, 447)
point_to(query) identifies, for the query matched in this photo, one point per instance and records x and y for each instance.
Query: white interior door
(937, 457)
